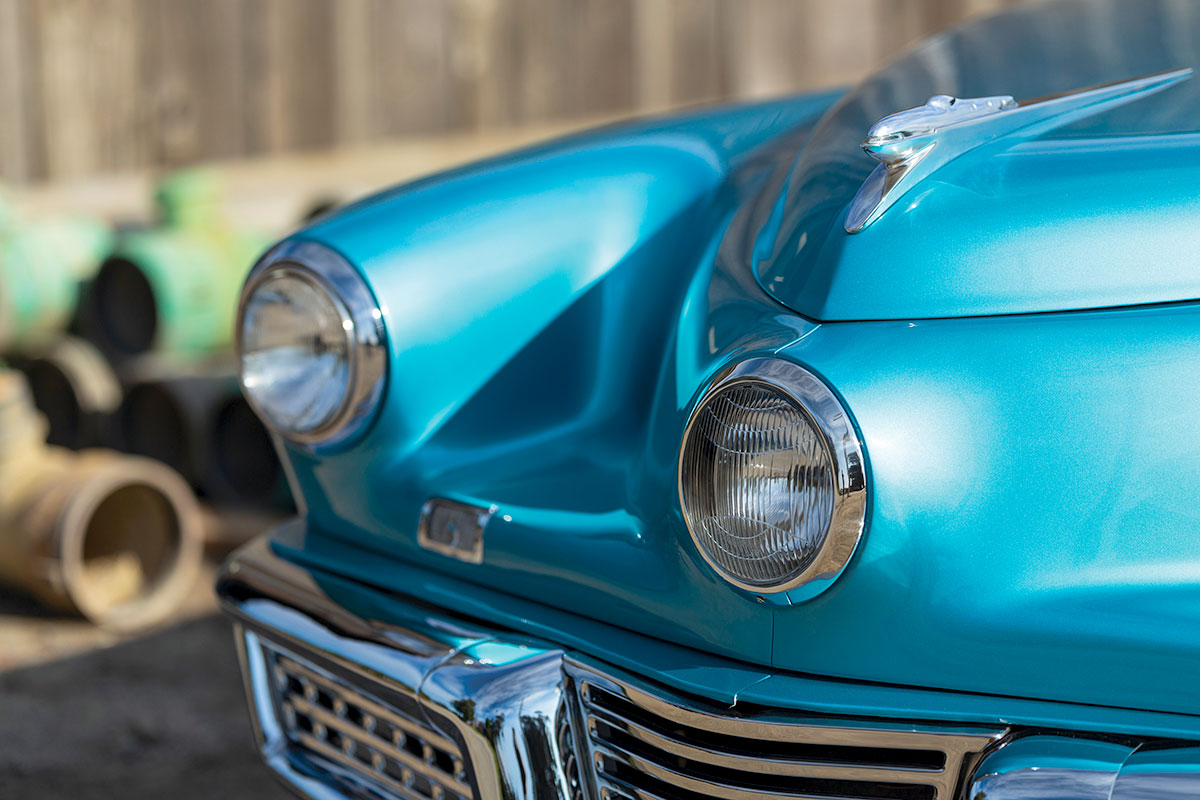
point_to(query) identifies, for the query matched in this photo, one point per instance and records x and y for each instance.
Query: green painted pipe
(43, 264)
(173, 289)
(114, 538)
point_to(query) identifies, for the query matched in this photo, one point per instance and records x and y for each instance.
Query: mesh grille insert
(343, 728)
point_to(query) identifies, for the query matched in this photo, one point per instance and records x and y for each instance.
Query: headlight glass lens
(296, 352)
(757, 484)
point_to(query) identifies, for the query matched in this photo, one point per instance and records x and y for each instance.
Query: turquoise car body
(1018, 342)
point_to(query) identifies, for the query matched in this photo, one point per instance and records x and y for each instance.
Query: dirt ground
(86, 715)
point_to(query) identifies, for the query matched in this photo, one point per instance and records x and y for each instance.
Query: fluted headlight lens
(295, 352)
(763, 493)
(310, 341)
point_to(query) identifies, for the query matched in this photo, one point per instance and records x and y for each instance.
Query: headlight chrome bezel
(832, 422)
(362, 322)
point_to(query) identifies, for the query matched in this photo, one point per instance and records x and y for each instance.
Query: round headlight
(310, 344)
(771, 478)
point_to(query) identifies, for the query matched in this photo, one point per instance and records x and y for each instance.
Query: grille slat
(652, 746)
(679, 779)
(325, 718)
(749, 762)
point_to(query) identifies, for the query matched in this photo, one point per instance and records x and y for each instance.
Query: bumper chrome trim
(517, 711)
(507, 731)
(1070, 768)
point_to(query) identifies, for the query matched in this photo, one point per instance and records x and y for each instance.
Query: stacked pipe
(161, 309)
(74, 387)
(193, 418)
(151, 370)
(43, 264)
(123, 338)
(172, 288)
(109, 536)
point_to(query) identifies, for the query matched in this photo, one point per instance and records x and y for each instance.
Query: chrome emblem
(454, 529)
(913, 144)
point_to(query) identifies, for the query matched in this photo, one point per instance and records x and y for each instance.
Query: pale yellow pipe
(114, 538)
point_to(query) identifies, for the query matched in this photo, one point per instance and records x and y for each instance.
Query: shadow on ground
(160, 716)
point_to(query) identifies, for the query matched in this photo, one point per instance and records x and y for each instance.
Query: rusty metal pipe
(114, 538)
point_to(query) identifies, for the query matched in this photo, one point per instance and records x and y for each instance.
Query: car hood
(1073, 220)
(552, 317)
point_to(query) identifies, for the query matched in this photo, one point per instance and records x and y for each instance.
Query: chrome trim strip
(1162, 772)
(821, 406)
(781, 728)
(1069, 768)
(632, 792)
(1066, 767)
(682, 781)
(760, 764)
(959, 746)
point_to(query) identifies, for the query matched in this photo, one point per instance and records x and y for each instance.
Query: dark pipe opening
(244, 461)
(129, 545)
(126, 315)
(54, 395)
(152, 424)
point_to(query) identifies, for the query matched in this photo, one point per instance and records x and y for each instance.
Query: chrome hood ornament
(913, 144)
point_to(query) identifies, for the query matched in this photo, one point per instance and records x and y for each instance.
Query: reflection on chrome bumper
(1050, 767)
(424, 706)
(424, 709)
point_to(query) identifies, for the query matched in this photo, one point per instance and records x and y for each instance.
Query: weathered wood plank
(19, 154)
(190, 87)
(59, 40)
(410, 56)
(353, 89)
(604, 54)
(98, 85)
(113, 67)
(700, 52)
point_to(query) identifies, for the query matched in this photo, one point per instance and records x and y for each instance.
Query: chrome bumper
(500, 705)
(424, 706)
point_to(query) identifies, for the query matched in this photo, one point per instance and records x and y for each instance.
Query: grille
(566, 747)
(649, 747)
(346, 729)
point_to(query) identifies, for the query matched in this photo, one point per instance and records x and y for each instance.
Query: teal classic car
(839, 446)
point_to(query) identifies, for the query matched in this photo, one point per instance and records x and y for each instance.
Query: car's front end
(358, 691)
(632, 467)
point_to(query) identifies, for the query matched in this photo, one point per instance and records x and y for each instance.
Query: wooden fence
(92, 86)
